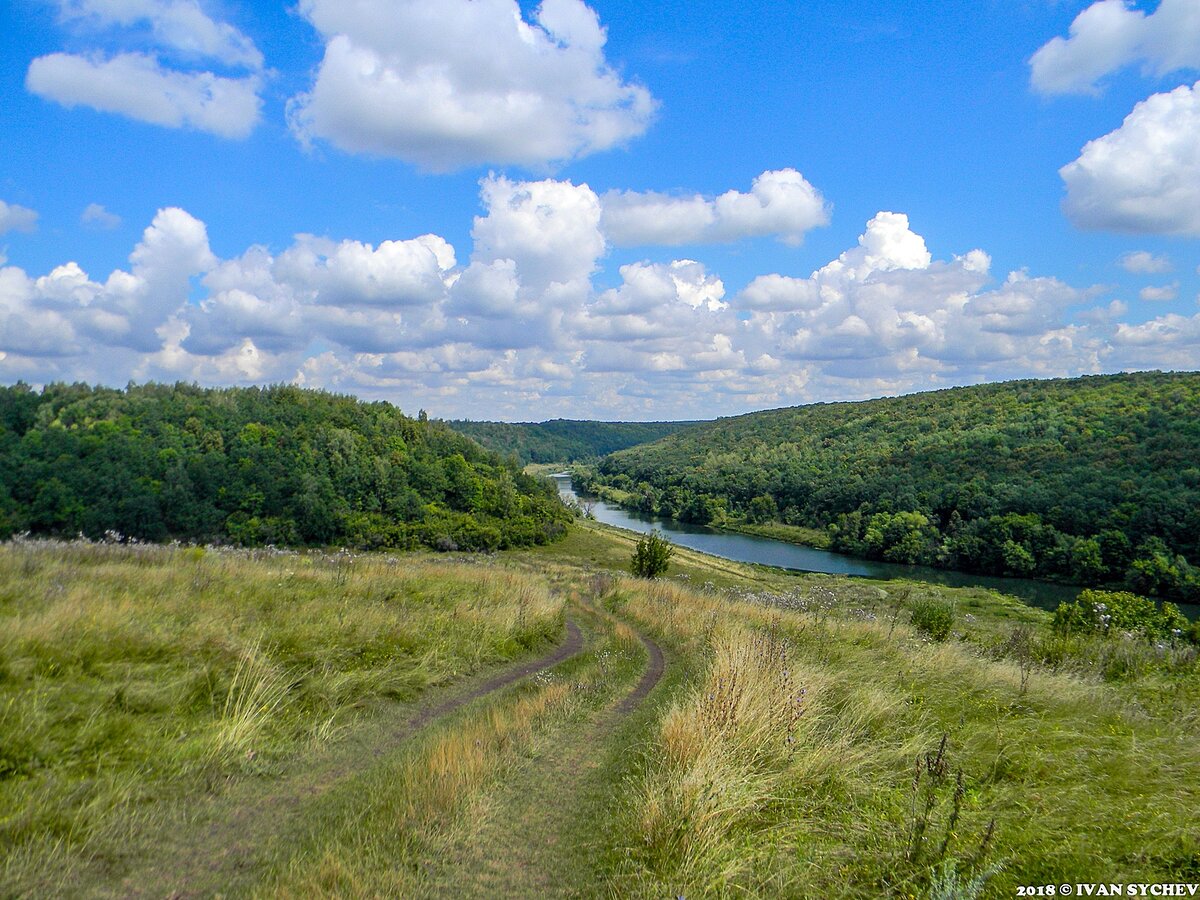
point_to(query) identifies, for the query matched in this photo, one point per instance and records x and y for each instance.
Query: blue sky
(607, 210)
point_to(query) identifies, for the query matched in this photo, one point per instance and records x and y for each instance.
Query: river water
(768, 551)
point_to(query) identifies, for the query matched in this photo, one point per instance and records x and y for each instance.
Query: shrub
(1116, 612)
(932, 618)
(651, 556)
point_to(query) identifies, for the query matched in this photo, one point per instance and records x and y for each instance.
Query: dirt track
(191, 862)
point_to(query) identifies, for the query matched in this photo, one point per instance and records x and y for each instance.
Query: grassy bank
(791, 534)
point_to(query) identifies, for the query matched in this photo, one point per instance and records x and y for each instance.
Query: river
(768, 551)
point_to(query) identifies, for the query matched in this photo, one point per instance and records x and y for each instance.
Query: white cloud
(1145, 176)
(1161, 293)
(1112, 34)
(780, 203)
(394, 274)
(16, 218)
(550, 229)
(887, 244)
(885, 312)
(453, 83)
(1143, 262)
(518, 330)
(99, 217)
(177, 24)
(140, 87)
(780, 293)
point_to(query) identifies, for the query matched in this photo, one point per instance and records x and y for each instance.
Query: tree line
(563, 440)
(1092, 480)
(273, 465)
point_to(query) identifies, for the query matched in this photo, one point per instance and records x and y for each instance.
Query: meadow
(243, 723)
(134, 678)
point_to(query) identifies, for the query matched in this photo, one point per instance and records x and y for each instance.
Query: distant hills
(563, 440)
(274, 465)
(1095, 480)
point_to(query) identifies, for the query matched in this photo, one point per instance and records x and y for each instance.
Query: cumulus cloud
(453, 83)
(16, 218)
(140, 87)
(550, 229)
(516, 328)
(1161, 293)
(145, 87)
(65, 324)
(1145, 176)
(1112, 34)
(97, 216)
(780, 203)
(886, 310)
(1143, 262)
(177, 24)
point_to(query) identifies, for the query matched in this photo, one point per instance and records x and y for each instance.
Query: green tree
(762, 509)
(651, 555)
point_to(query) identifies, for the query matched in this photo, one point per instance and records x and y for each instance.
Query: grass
(133, 677)
(408, 826)
(787, 767)
(810, 738)
(792, 534)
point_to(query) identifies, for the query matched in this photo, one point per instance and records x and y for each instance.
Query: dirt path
(211, 850)
(542, 836)
(654, 672)
(572, 645)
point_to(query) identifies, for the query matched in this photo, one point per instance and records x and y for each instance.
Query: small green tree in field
(651, 556)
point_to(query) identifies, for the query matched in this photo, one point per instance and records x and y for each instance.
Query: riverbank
(771, 551)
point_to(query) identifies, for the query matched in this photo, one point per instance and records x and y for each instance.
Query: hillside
(563, 440)
(276, 465)
(220, 722)
(1094, 480)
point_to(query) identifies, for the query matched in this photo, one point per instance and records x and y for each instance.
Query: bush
(651, 556)
(1117, 612)
(932, 618)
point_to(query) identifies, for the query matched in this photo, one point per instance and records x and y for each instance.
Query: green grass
(792, 534)
(135, 677)
(1084, 782)
(154, 688)
(412, 825)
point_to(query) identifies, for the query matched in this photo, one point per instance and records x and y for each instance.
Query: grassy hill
(276, 465)
(177, 721)
(1094, 480)
(563, 440)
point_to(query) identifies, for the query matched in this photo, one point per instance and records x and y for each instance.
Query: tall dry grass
(746, 791)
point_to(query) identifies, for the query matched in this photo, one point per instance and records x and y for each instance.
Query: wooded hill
(563, 440)
(251, 466)
(1094, 480)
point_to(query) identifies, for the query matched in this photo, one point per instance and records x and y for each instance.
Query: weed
(932, 618)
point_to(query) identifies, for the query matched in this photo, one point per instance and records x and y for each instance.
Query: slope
(276, 465)
(563, 440)
(1094, 480)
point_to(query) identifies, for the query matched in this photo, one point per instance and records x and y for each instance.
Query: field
(275, 724)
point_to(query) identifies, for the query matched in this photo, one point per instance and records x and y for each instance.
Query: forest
(1092, 480)
(563, 440)
(254, 466)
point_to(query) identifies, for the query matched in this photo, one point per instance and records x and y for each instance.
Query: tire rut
(532, 849)
(570, 647)
(655, 667)
(221, 854)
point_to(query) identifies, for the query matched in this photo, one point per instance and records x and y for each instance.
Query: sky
(617, 210)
